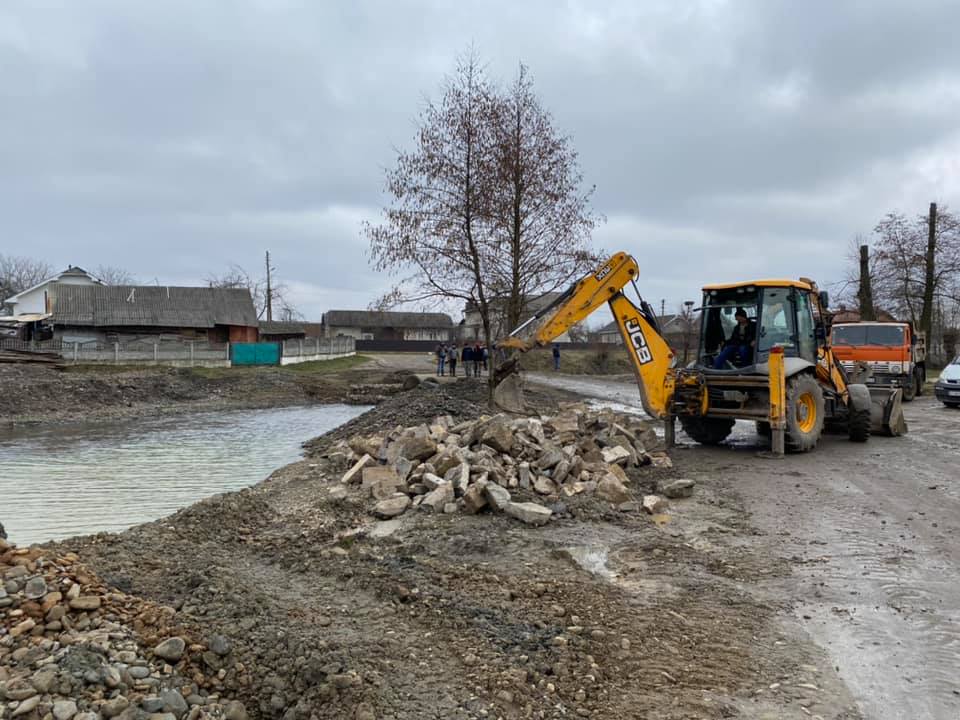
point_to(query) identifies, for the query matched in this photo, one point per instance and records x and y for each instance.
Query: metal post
(300, 343)
(778, 400)
(191, 353)
(116, 353)
(76, 347)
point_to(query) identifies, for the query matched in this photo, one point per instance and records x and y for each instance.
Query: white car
(947, 388)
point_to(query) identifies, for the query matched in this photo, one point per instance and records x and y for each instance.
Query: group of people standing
(473, 358)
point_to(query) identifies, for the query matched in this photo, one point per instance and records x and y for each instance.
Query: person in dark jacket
(556, 357)
(477, 359)
(466, 357)
(452, 355)
(739, 347)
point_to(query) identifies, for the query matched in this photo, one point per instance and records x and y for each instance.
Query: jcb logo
(638, 341)
(603, 272)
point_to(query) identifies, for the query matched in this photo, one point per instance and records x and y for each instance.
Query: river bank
(40, 394)
(600, 613)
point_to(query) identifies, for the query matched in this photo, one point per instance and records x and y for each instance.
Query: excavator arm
(649, 353)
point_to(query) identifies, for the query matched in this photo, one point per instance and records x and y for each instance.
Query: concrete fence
(179, 353)
(312, 349)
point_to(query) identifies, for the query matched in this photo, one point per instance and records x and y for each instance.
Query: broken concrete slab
(528, 512)
(498, 497)
(680, 488)
(544, 485)
(353, 474)
(615, 455)
(437, 498)
(474, 499)
(612, 490)
(392, 506)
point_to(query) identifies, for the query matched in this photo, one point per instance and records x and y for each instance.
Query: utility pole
(269, 291)
(926, 315)
(865, 294)
(663, 307)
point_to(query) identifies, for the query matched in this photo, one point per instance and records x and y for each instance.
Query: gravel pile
(73, 649)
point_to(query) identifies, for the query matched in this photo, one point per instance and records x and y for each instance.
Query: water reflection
(60, 481)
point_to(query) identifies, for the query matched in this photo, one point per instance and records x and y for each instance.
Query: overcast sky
(727, 140)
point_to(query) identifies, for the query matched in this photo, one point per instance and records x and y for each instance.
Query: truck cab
(891, 352)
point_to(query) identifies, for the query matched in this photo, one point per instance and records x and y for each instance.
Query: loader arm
(650, 355)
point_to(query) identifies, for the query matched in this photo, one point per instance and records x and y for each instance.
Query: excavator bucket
(886, 412)
(508, 394)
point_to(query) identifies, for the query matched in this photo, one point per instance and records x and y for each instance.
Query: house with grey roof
(38, 300)
(376, 325)
(112, 313)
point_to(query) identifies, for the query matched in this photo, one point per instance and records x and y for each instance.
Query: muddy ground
(598, 614)
(41, 393)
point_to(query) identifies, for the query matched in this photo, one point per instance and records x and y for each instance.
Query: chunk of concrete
(680, 488)
(436, 499)
(474, 499)
(353, 474)
(528, 512)
(654, 504)
(392, 506)
(615, 455)
(612, 490)
(498, 497)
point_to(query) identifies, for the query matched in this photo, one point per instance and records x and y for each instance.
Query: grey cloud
(725, 138)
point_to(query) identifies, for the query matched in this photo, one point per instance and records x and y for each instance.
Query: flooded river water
(60, 481)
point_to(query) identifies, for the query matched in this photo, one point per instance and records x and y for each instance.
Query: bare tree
(237, 277)
(436, 231)
(17, 273)
(486, 208)
(541, 217)
(112, 275)
(917, 263)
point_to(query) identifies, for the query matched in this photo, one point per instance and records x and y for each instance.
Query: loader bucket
(886, 412)
(508, 394)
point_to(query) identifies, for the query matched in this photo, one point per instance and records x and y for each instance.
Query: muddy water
(60, 481)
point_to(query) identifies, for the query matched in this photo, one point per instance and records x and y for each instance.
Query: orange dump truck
(891, 352)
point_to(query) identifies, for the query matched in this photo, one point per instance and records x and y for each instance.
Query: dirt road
(871, 534)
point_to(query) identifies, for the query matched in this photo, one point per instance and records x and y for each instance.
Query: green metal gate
(255, 353)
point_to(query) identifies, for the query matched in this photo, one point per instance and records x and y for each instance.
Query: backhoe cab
(777, 370)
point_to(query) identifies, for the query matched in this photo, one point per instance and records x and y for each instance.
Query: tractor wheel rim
(806, 412)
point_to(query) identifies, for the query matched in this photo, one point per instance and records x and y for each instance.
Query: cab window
(777, 325)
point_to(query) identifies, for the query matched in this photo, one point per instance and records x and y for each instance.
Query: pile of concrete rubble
(71, 648)
(478, 465)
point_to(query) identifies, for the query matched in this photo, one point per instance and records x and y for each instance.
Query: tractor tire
(707, 431)
(910, 389)
(805, 413)
(858, 425)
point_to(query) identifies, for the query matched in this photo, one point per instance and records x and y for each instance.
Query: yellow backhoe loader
(783, 376)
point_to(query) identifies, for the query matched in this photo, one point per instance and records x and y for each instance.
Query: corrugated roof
(279, 327)
(152, 306)
(372, 318)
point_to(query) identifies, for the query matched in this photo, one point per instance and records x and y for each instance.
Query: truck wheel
(910, 388)
(858, 425)
(707, 431)
(805, 413)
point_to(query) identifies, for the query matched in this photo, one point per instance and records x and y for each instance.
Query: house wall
(35, 301)
(333, 331)
(239, 333)
(435, 334)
